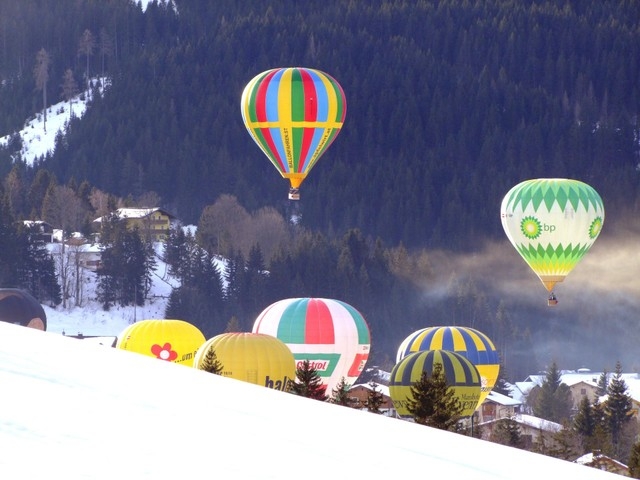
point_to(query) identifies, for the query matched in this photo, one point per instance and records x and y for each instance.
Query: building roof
(533, 422)
(501, 399)
(383, 389)
(136, 213)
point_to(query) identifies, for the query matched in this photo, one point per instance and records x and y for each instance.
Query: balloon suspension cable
(552, 300)
(294, 193)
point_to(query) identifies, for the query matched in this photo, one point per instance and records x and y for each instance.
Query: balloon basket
(552, 301)
(294, 194)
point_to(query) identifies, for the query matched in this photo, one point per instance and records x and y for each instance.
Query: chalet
(153, 223)
(497, 406)
(582, 383)
(359, 394)
(602, 462)
(533, 430)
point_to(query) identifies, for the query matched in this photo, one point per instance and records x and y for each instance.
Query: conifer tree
(41, 75)
(501, 385)
(507, 432)
(340, 394)
(634, 461)
(618, 407)
(374, 398)
(433, 401)
(308, 383)
(584, 424)
(554, 400)
(210, 363)
(603, 384)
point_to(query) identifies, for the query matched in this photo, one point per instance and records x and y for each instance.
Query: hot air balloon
(332, 335)
(170, 340)
(472, 344)
(293, 114)
(552, 223)
(462, 377)
(251, 357)
(20, 307)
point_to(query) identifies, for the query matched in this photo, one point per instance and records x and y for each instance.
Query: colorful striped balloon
(293, 114)
(332, 335)
(462, 377)
(472, 344)
(552, 223)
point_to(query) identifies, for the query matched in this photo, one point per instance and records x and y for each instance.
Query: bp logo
(595, 227)
(531, 227)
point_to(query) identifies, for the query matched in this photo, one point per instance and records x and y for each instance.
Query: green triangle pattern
(548, 191)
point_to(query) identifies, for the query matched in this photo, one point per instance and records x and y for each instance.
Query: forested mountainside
(450, 103)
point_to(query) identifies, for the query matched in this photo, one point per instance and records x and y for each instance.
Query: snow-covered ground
(77, 410)
(90, 319)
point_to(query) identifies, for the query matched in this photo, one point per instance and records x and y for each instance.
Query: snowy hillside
(77, 410)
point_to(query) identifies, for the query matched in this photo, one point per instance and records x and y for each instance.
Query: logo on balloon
(595, 227)
(324, 364)
(164, 352)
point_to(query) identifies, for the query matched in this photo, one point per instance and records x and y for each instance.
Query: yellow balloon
(251, 357)
(170, 340)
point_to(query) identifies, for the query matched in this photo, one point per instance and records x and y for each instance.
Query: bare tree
(41, 75)
(69, 89)
(100, 202)
(221, 227)
(85, 47)
(63, 209)
(268, 228)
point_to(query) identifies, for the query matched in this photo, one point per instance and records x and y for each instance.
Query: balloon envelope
(293, 114)
(20, 307)
(552, 223)
(170, 340)
(332, 335)
(462, 377)
(472, 344)
(251, 357)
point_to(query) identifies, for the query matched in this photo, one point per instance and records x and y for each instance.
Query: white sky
(74, 409)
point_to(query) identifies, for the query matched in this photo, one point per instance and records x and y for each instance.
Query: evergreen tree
(502, 386)
(634, 460)
(10, 258)
(507, 432)
(36, 270)
(433, 402)
(603, 384)
(554, 400)
(210, 363)
(618, 407)
(584, 424)
(41, 75)
(566, 443)
(340, 394)
(308, 383)
(374, 398)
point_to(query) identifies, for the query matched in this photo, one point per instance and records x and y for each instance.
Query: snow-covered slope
(77, 410)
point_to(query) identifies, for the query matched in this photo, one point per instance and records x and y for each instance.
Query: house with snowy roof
(497, 406)
(603, 462)
(359, 393)
(533, 430)
(153, 223)
(582, 383)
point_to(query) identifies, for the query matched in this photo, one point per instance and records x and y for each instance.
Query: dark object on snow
(21, 308)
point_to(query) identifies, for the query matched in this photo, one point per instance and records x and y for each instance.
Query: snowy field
(78, 410)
